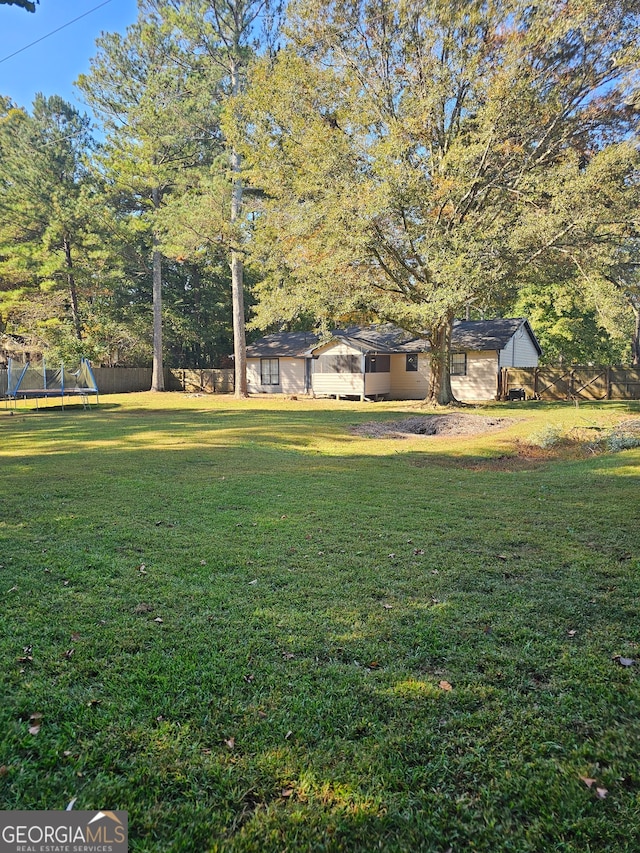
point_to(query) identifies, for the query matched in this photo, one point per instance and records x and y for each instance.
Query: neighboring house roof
(477, 335)
(283, 345)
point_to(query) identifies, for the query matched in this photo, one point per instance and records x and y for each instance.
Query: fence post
(608, 382)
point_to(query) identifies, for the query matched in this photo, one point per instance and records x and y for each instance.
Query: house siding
(409, 385)
(520, 351)
(338, 384)
(291, 377)
(481, 381)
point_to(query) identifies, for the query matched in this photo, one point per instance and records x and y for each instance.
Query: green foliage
(406, 148)
(53, 257)
(569, 332)
(24, 4)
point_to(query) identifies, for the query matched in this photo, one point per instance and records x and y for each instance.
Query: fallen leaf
(67, 753)
(203, 562)
(444, 685)
(92, 703)
(601, 793)
(33, 730)
(374, 665)
(13, 589)
(254, 581)
(142, 569)
(388, 606)
(288, 655)
(587, 781)
(286, 792)
(26, 659)
(624, 661)
(158, 620)
(572, 633)
(503, 557)
(75, 637)
(231, 742)
(392, 556)
(69, 654)
(66, 583)
(71, 804)
(288, 735)
(249, 678)
(262, 715)
(143, 607)
(283, 516)
(418, 552)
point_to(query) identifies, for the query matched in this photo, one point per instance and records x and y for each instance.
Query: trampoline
(37, 381)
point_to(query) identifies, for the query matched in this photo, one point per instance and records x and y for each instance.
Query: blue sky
(52, 65)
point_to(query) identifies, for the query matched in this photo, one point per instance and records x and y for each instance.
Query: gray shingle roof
(386, 338)
(488, 334)
(283, 344)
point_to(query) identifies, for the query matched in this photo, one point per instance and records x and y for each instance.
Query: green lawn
(256, 631)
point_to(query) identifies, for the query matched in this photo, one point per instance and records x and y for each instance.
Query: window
(377, 363)
(338, 364)
(412, 362)
(270, 371)
(458, 364)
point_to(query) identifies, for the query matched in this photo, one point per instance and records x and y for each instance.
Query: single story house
(387, 361)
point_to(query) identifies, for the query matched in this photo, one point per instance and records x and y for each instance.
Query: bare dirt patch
(449, 425)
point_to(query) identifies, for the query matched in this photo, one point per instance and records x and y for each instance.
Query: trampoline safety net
(39, 380)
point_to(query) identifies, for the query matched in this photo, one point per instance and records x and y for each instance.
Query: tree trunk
(237, 266)
(440, 393)
(157, 375)
(73, 293)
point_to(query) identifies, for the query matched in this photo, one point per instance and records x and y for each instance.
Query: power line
(42, 38)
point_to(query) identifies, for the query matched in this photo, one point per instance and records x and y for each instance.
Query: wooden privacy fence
(123, 380)
(571, 383)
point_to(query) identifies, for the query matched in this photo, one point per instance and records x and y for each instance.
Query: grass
(240, 623)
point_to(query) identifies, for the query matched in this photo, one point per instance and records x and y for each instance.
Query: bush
(548, 436)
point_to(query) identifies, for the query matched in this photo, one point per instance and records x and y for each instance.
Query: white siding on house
(376, 383)
(291, 377)
(520, 351)
(338, 384)
(481, 381)
(337, 348)
(253, 375)
(409, 385)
